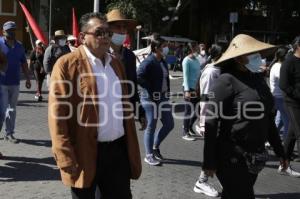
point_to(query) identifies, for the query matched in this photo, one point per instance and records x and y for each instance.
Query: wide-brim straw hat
(244, 44)
(116, 15)
(59, 33)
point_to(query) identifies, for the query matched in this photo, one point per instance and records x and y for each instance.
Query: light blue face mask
(118, 39)
(254, 63)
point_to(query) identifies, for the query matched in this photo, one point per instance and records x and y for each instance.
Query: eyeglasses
(103, 33)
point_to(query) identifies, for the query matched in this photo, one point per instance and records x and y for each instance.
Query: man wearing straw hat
(120, 26)
(240, 119)
(55, 51)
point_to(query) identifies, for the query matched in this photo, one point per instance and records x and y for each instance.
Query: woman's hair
(191, 47)
(215, 52)
(156, 42)
(296, 43)
(280, 55)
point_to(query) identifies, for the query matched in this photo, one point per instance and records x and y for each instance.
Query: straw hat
(37, 42)
(244, 44)
(59, 33)
(116, 15)
(71, 37)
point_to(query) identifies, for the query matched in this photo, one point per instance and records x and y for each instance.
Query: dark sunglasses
(100, 33)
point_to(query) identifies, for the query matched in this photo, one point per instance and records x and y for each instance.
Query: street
(28, 169)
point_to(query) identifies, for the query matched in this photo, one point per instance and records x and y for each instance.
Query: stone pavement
(29, 171)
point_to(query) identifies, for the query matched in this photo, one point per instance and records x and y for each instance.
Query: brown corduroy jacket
(73, 116)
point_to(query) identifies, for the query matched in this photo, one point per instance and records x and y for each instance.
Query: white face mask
(165, 51)
(62, 42)
(203, 52)
(118, 39)
(254, 62)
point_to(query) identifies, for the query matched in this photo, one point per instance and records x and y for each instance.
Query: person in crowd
(202, 56)
(55, 51)
(239, 120)
(281, 115)
(289, 83)
(191, 72)
(36, 65)
(71, 41)
(120, 26)
(3, 67)
(10, 80)
(155, 99)
(179, 56)
(98, 145)
(209, 76)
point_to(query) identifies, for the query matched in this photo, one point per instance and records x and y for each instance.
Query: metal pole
(232, 31)
(96, 5)
(138, 39)
(50, 19)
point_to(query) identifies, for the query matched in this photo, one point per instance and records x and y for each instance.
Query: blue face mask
(254, 62)
(118, 39)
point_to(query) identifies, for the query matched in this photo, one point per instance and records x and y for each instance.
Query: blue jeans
(281, 115)
(162, 110)
(10, 96)
(2, 111)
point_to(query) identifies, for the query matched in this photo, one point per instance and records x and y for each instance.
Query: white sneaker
(205, 188)
(188, 138)
(199, 130)
(151, 160)
(289, 172)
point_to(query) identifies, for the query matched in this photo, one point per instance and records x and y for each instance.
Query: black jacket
(245, 118)
(129, 61)
(289, 81)
(150, 75)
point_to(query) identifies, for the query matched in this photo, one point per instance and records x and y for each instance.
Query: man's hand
(28, 84)
(187, 95)
(210, 173)
(72, 170)
(143, 123)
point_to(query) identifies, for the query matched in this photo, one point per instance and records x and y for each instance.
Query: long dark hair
(296, 43)
(279, 56)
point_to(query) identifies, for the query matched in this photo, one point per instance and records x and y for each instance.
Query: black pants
(294, 130)
(39, 77)
(190, 115)
(237, 182)
(112, 175)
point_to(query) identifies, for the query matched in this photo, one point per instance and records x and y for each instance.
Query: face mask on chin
(254, 63)
(165, 51)
(62, 42)
(118, 39)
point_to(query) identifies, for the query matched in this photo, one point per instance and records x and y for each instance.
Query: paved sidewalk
(29, 171)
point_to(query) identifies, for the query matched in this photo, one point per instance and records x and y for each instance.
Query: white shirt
(274, 80)
(165, 77)
(110, 98)
(209, 75)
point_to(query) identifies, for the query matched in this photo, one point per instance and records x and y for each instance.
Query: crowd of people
(226, 95)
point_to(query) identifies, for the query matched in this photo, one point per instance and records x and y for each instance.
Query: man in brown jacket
(92, 129)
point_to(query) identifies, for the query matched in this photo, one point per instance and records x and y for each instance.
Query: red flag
(34, 26)
(75, 31)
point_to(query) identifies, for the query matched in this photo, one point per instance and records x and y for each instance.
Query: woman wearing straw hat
(240, 120)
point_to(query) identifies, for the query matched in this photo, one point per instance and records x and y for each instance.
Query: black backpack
(56, 52)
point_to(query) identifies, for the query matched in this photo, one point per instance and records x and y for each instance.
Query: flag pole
(50, 20)
(96, 5)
